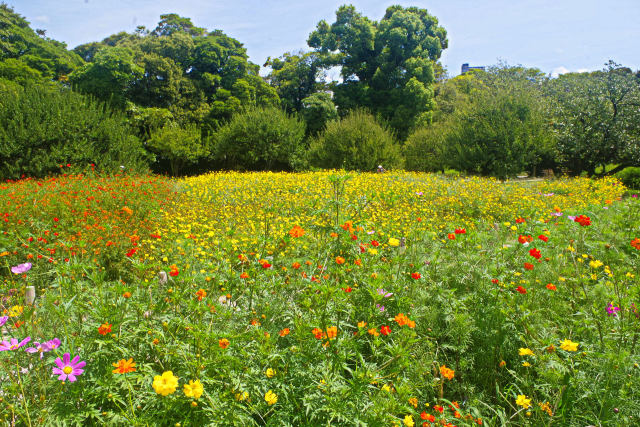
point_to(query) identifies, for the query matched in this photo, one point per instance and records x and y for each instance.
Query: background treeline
(181, 99)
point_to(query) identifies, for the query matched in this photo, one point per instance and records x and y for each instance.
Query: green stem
(24, 398)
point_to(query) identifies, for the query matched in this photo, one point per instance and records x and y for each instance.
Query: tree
(596, 118)
(317, 110)
(386, 66)
(355, 142)
(19, 42)
(110, 77)
(295, 77)
(503, 129)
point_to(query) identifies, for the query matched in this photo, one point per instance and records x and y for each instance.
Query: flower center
(67, 370)
(13, 347)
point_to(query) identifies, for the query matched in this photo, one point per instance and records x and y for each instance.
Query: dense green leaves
(263, 138)
(41, 129)
(356, 142)
(386, 66)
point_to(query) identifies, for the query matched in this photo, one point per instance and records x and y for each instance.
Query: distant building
(465, 68)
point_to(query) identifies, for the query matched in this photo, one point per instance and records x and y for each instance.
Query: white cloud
(559, 70)
(41, 18)
(582, 70)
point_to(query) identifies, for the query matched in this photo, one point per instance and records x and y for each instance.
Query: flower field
(319, 299)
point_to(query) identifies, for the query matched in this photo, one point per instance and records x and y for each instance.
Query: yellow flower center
(67, 370)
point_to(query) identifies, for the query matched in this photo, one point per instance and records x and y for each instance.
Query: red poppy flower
(543, 238)
(460, 231)
(415, 275)
(521, 290)
(528, 266)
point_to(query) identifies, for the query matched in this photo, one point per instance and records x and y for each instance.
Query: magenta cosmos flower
(21, 268)
(3, 320)
(68, 368)
(13, 344)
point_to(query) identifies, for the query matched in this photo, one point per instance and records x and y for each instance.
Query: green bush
(355, 142)
(180, 146)
(424, 150)
(630, 177)
(261, 138)
(43, 128)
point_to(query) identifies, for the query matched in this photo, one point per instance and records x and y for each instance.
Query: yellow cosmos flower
(408, 421)
(523, 401)
(271, 398)
(394, 242)
(194, 389)
(270, 373)
(165, 384)
(569, 345)
(525, 352)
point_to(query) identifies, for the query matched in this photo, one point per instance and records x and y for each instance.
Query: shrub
(317, 110)
(261, 138)
(630, 177)
(355, 142)
(42, 128)
(424, 150)
(180, 146)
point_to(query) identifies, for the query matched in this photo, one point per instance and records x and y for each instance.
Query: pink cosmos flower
(68, 368)
(44, 347)
(3, 320)
(13, 344)
(21, 268)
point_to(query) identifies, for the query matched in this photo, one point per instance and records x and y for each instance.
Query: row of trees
(191, 100)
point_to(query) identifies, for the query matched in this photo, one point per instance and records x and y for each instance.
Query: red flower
(551, 287)
(636, 243)
(451, 236)
(583, 220)
(524, 239)
(173, 272)
(543, 238)
(375, 243)
(528, 266)
(104, 329)
(347, 289)
(438, 408)
(519, 220)
(535, 253)
(131, 252)
(495, 281)
(415, 275)
(427, 417)
(385, 330)
(244, 275)
(461, 231)
(521, 290)
(317, 332)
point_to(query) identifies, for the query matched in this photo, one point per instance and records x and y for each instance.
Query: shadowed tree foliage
(295, 77)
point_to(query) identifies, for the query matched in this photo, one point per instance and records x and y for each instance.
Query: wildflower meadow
(320, 298)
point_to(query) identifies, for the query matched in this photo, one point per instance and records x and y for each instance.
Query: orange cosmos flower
(385, 330)
(451, 236)
(528, 266)
(124, 366)
(173, 270)
(401, 319)
(317, 332)
(551, 287)
(201, 294)
(332, 332)
(296, 231)
(636, 243)
(285, 332)
(244, 275)
(295, 265)
(104, 329)
(127, 294)
(223, 343)
(340, 260)
(446, 372)
(373, 331)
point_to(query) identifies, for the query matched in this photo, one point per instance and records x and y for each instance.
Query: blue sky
(553, 35)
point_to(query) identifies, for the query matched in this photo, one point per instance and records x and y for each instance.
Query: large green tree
(37, 56)
(596, 118)
(386, 66)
